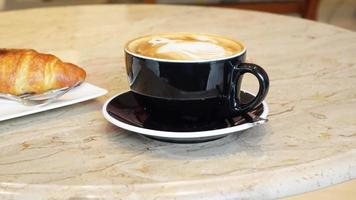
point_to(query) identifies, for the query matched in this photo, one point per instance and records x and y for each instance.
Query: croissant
(28, 71)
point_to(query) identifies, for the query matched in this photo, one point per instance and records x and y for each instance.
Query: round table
(73, 152)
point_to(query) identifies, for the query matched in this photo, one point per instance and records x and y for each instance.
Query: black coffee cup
(193, 90)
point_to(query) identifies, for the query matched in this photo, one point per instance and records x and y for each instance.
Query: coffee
(191, 77)
(184, 46)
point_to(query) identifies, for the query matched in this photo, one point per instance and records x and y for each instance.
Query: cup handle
(236, 105)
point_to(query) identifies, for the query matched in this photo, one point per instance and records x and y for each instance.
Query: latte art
(185, 47)
(192, 50)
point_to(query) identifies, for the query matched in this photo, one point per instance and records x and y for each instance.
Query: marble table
(74, 153)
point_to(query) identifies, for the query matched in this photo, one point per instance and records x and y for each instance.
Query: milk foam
(185, 47)
(194, 50)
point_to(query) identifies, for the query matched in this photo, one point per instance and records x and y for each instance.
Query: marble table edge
(255, 185)
(169, 6)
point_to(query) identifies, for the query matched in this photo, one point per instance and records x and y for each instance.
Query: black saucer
(124, 111)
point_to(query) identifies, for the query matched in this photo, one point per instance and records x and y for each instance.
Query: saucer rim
(180, 135)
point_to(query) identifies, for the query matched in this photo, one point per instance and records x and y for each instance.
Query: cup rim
(185, 61)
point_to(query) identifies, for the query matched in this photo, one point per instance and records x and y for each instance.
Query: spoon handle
(10, 97)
